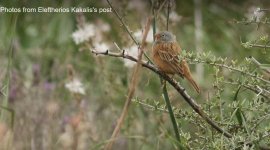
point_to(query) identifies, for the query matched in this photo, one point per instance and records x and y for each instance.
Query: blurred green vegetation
(43, 49)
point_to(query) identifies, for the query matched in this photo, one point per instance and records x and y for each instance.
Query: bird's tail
(193, 83)
(188, 76)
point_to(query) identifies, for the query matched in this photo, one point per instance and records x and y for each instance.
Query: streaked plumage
(165, 54)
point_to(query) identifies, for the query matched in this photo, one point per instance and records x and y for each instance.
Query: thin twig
(263, 9)
(132, 87)
(178, 114)
(253, 21)
(161, 6)
(264, 93)
(259, 122)
(257, 63)
(252, 142)
(259, 45)
(123, 23)
(175, 85)
(231, 68)
(127, 30)
(154, 21)
(168, 14)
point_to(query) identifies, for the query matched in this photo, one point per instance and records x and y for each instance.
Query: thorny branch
(257, 63)
(259, 90)
(176, 86)
(256, 89)
(259, 45)
(234, 69)
(177, 114)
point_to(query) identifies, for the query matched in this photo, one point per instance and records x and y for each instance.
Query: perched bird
(165, 53)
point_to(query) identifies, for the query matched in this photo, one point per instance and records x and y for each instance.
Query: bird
(165, 55)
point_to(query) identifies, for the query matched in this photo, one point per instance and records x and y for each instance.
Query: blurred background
(64, 97)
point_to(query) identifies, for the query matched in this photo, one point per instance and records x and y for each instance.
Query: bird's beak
(157, 36)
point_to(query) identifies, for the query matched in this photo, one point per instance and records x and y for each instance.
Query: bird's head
(164, 36)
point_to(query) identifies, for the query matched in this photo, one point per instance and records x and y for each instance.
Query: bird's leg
(163, 83)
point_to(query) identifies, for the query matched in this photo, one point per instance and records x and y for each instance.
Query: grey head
(164, 36)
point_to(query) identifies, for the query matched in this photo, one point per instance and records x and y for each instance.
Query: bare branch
(123, 23)
(126, 28)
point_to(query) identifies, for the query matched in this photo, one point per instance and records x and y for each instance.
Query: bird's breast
(162, 65)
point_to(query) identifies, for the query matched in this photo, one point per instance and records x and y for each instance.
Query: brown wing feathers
(169, 52)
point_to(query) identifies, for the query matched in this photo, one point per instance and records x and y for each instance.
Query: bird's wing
(188, 76)
(169, 52)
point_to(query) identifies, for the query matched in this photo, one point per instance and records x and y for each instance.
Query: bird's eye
(163, 35)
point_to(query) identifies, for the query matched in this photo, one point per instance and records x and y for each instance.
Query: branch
(168, 14)
(231, 68)
(178, 114)
(126, 28)
(257, 63)
(254, 142)
(254, 88)
(253, 21)
(123, 23)
(259, 45)
(176, 86)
